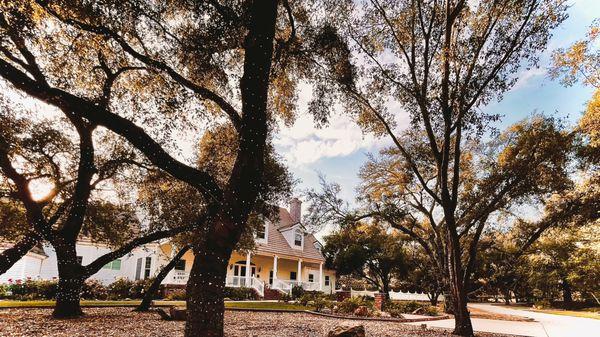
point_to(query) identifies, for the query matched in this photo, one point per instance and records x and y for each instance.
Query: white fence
(399, 296)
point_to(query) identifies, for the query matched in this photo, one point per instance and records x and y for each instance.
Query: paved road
(545, 325)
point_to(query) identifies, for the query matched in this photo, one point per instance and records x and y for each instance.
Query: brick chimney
(295, 209)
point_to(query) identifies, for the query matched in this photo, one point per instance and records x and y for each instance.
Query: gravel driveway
(100, 322)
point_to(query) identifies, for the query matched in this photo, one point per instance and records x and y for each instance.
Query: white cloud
(304, 144)
(526, 76)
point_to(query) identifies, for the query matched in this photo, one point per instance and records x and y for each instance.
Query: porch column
(248, 271)
(299, 275)
(321, 276)
(275, 258)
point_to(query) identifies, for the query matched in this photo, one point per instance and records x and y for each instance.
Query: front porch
(266, 272)
(274, 272)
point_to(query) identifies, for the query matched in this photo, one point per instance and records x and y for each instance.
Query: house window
(261, 232)
(147, 267)
(80, 259)
(114, 265)
(180, 265)
(293, 275)
(327, 280)
(271, 277)
(311, 278)
(138, 269)
(298, 238)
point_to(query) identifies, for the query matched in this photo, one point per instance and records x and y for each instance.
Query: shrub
(31, 290)
(44, 289)
(285, 298)
(305, 299)
(348, 305)
(138, 288)
(3, 291)
(120, 289)
(94, 290)
(176, 295)
(297, 292)
(430, 310)
(543, 304)
(240, 294)
(321, 302)
(396, 309)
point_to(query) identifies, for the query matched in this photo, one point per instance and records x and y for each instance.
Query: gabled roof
(37, 249)
(277, 244)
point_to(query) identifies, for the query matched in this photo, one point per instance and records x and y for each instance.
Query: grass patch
(267, 305)
(84, 303)
(583, 313)
(160, 303)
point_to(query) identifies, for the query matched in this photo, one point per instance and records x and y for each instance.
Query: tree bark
(507, 297)
(205, 303)
(152, 290)
(462, 318)
(10, 256)
(567, 293)
(70, 281)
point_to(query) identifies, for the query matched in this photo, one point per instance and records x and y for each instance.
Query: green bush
(176, 295)
(3, 291)
(322, 302)
(430, 310)
(297, 292)
(240, 294)
(44, 289)
(396, 309)
(348, 305)
(94, 290)
(285, 298)
(31, 290)
(543, 304)
(120, 289)
(138, 288)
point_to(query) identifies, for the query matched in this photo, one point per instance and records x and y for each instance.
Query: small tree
(368, 252)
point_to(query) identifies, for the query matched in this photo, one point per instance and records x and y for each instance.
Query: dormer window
(298, 238)
(261, 233)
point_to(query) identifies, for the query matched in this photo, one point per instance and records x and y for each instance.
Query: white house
(286, 255)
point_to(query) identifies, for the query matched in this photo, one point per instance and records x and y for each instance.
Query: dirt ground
(100, 322)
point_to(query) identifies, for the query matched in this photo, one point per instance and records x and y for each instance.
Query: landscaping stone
(345, 331)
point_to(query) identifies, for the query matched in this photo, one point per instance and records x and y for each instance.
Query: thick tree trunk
(70, 281)
(205, 304)
(567, 293)
(507, 297)
(68, 298)
(433, 298)
(386, 290)
(153, 289)
(462, 318)
(10, 256)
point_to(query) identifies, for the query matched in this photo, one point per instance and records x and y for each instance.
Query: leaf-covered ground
(124, 322)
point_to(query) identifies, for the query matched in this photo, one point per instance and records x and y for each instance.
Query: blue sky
(339, 150)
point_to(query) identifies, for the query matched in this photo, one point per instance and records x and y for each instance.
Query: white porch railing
(287, 285)
(282, 285)
(240, 281)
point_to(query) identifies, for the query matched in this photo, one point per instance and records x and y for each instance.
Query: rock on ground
(346, 331)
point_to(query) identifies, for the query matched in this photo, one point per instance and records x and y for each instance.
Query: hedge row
(92, 290)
